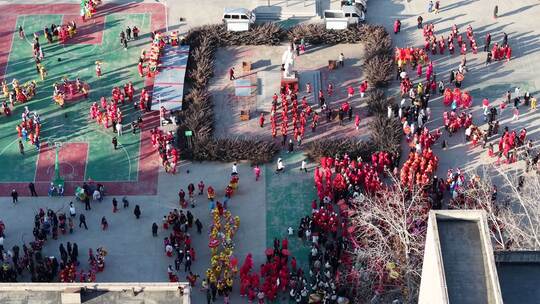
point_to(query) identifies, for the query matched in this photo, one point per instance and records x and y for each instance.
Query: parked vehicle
(238, 19)
(341, 19)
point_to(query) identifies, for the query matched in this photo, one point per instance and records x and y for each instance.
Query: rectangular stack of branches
(198, 114)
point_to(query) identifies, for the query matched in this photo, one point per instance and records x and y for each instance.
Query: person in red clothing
(257, 172)
(350, 92)
(201, 187)
(363, 88)
(261, 120)
(397, 26)
(129, 92)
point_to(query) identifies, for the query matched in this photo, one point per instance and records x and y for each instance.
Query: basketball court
(85, 150)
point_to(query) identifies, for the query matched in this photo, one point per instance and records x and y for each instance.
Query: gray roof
(95, 293)
(519, 276)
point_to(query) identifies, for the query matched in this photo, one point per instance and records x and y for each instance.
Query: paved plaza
(267, 207)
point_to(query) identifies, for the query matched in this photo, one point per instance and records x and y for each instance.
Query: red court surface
(73, 156)
(90, 32)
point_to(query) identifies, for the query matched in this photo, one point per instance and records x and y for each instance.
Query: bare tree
(389, 235)
(514, 215)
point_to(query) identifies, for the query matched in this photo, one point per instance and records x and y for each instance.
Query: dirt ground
(264, 80)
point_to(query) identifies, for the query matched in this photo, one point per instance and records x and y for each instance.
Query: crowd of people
(88, 9)
(48, 225)
(108, 113)
(168, 153)
(297, 114)
(29, 130)
(178, 243)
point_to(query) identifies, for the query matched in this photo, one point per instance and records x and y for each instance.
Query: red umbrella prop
(285, 252)
(269, 251)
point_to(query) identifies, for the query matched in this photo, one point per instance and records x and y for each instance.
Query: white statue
(288, 63)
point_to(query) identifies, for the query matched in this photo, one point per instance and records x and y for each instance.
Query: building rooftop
(519, 276)
(94, 293)
(463, 261)
(459, 266)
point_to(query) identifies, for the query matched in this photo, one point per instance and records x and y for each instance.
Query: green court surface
(288, 199)
(72, 123)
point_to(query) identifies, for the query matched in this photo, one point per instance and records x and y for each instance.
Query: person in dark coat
(32, 188)
(199, 226)
(137, 211)
(15, 196)
(154, 229)
(82, 221)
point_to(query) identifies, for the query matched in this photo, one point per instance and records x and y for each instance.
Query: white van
(238, 19)
(354, 14)
(341, 19)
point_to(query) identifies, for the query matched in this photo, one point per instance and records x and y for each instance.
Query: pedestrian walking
(187, 263)
(495, 12)
(128, 33)
(397, 26)
(280, 166)
(430, 7)
(87, 203)
(488, 58)
(114, 205)
(341, 60)
(21, 32)
(82, 221)
(515, 115)
(231, 74)
(199, 226)
(487, 43)
(104, 223)
(154, 229)
(419, 20)
(21, 147)
(303, 166)
(437, 6)
(115, 142)
(135, 31)
(32, 189)
(291, 146)
(119, 129)
(137, 211)
(125, 202)
(72, 212)
(15, 196)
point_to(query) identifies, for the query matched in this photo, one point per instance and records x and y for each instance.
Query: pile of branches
(386, 134)
(198, 114)
(379, 63)
(263, 34)
(198, 109)
(378, 103)
(318, 34)
(332, 147)
(232, 149)
(376, 41)
(379, 70)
